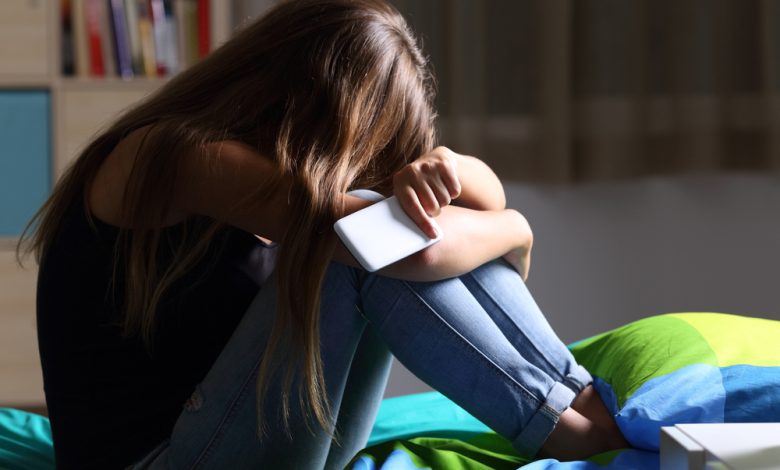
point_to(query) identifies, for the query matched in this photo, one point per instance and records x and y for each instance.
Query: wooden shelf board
(8, 243)
(25, 81)
(109, 83)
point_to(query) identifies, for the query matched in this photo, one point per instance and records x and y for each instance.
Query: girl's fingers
(410, 203)
(449, 178)
(428, 198)
(425, 186)
(441, 192)
(446, 163)
(431, 189)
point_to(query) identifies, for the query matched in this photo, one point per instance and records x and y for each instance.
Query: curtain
(578, 90)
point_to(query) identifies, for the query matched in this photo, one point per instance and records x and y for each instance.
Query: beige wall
(20, 376)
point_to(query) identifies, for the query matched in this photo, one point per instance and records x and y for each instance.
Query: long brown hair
(336, 92)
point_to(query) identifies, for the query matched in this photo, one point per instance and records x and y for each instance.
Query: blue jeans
(479, 339)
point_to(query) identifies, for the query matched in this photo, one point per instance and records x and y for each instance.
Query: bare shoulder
(234, 183)
(224, 181)
(107, 189)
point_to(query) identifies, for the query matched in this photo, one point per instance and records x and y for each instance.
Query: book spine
(191, 39)
(81, 55)
(106, 38)
(157, 10)
(171, 52)
(121, 39)
(97, 67)
(66, 16)
(186, 14)
(146, 33)
(204, 28)
(136, 53)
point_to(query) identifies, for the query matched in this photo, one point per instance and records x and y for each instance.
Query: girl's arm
(476, 234)
(217, 185)
(441, 177)
(471, 238)
(480, 187)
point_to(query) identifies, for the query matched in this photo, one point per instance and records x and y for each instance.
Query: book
(106, 37)
(146, 34)
(121, 38)
(171, 49)
(81, 55)
(159, 26)
(66, 17)
(96, 65)
(133, 33)
(186, 14)
(204, 28)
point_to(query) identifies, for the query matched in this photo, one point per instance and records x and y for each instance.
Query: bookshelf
(56, 115)
(81, 105)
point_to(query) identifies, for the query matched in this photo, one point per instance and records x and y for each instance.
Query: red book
(204, 37)
(96, 66)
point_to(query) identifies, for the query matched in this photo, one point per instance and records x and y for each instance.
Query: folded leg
(439, 330)
(505, 297)
(442, 334)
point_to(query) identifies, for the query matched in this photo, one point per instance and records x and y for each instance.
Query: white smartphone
(382, 234)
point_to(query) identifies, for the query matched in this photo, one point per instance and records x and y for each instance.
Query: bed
(658, 371)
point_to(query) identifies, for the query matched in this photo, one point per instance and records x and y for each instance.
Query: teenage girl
(195, 308)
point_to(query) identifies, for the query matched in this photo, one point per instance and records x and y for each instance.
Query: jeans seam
(215, 438)
(474, 350)
(384, 320)
(561, 377)
(572, 381)
(550, 410)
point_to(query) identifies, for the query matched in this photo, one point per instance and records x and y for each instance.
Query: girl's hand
(426, 185)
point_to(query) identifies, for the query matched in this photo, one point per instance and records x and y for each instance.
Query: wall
(609, 253)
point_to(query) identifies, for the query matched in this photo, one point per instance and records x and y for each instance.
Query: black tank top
(110, 400)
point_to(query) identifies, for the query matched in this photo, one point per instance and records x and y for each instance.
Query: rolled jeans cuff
(578, 379)
(542, 423)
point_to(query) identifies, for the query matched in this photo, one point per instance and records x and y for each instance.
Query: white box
(735, 446)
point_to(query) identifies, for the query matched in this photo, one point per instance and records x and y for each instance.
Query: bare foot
(588, 403)
(575, 437)
(586, 428)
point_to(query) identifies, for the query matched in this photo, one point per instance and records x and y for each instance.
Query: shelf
(109, 83)
(8, 243)
(24, 82)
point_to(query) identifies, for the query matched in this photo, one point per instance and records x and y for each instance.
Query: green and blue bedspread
(659, 371)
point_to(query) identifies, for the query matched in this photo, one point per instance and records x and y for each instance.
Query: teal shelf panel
(25, 162)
